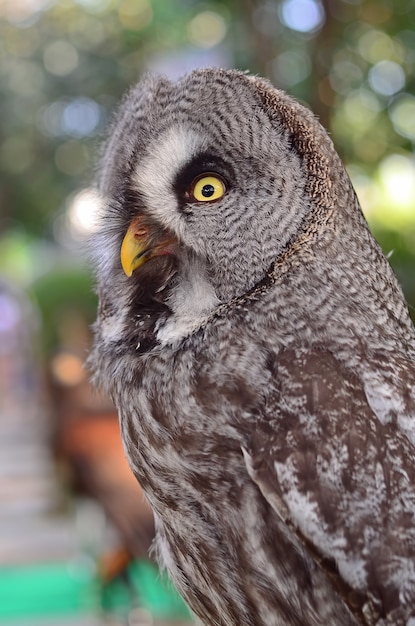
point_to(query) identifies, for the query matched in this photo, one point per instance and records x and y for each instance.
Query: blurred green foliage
(65, 64)
(60, 295)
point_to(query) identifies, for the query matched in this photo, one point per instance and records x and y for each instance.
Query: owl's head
(207, 182)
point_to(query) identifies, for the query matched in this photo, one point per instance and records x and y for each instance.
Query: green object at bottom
(72, 588)
(156, 592)
(47, 589)
(144, 586)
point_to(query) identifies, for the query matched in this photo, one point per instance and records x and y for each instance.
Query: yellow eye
(208, 188)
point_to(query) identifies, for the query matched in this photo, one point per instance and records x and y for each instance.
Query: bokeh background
(74, 530)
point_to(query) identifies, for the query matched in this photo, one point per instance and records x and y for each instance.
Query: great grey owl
(260, 353)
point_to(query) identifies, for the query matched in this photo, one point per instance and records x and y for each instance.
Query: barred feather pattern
(264, 371)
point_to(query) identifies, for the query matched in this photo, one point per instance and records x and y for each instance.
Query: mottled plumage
(261, 357)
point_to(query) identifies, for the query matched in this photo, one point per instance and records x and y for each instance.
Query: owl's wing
(342, 480)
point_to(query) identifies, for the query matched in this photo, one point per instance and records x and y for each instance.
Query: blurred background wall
(64, 65)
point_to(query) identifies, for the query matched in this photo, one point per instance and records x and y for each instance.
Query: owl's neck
(191, 302)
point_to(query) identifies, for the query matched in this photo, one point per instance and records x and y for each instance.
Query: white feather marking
(387, 403)
(192, 301)
(156, 172)
(113, 328)
(382, 399)
(305, 514)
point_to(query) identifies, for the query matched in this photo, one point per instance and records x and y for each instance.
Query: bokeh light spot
(23, 13)
(10, 314)
(302, 15)
(49, 119)
(402, 114)
(83, 212)
(361, 108)
(387, 78)
(67, 369)
(397, 174)
(375, 46)
(80, 117)
(207, 29)
(135, 14)
(60, 58)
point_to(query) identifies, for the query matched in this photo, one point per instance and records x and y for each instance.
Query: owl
(259, 351)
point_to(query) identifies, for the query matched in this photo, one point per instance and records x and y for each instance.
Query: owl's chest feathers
(216, 533)
(188, 410)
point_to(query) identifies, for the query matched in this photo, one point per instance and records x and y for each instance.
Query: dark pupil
(208, 191)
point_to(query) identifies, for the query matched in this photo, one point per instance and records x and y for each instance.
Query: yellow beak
(140, 245)
(134, 251)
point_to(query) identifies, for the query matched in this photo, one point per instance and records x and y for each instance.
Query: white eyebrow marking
(155, 173)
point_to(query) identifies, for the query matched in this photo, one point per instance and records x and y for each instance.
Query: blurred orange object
(88, 446)
(92, 446)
